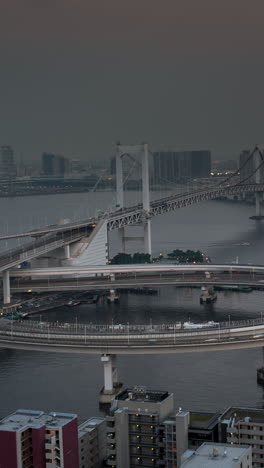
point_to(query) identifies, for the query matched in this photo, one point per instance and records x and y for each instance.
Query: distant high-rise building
(54, 165)
(7, 163)
(34, 439)
(179, 166)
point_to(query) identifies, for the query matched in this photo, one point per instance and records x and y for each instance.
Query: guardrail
(132, 329)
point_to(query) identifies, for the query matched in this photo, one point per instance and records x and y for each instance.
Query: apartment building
(244, 426)
(92, 443)
(134, 433)
(34, 439)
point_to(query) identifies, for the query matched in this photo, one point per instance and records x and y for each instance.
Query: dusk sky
(77, 75)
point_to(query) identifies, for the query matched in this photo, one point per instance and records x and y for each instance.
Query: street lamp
(76, 324)
(12, 325)
(229, 321)
(128, 333)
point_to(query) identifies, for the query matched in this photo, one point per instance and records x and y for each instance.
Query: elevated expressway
(129, 338)
(110, 340)
(133, 276)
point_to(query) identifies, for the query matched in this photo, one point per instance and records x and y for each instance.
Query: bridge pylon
(259, 195)
(142, 151)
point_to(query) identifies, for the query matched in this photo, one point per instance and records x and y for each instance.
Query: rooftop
(200, 420)
(210, 455)
(24, 419)
(254, 414)
(89, 425)
(142, 394)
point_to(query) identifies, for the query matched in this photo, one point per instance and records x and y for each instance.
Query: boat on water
(73, 303)
(231, 287)
(208, 296)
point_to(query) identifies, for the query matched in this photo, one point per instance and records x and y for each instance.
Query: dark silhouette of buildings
(54, 165)
(181, 165)
(7, 163)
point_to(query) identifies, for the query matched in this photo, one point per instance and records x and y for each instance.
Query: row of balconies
(143, 443)
(144, 452)
(143, 431)
(143, 419)
(247, 441)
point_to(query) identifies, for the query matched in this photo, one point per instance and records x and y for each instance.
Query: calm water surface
(61, 382)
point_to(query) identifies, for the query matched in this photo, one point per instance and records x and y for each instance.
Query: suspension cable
(240, 168)
(257, 168)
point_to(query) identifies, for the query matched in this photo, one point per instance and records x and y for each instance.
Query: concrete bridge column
(108, 361)
(122, 242)
(111, 385)
(147, 236)
(259, 198)
(6, 287)
(67, 252)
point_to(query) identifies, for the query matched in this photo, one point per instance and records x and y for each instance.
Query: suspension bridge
(86, 242)
(63, 249)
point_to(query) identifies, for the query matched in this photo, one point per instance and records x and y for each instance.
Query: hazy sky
(77, 75)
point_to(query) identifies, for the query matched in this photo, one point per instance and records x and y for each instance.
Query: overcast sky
(77, 75)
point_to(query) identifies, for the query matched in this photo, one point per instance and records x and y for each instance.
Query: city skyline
(78, 77)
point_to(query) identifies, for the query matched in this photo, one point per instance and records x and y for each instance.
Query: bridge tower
(142, 151)
(258, 159)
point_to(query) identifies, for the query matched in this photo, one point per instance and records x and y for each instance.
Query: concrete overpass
(110, 340)
(133, 276)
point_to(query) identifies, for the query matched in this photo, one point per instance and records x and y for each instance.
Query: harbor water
(207, 381)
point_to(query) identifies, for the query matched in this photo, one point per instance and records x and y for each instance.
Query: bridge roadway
(130, 339)
(43, 245)
(144, 281)
(136, 215)
(134, 276)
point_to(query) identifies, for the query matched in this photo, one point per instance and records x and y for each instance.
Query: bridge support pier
(147, 237)
(67, 252)
(6, 287)
(122, 240)
(259, 199)
(111, 386)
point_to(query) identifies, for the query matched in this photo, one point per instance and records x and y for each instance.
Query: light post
(219, 331)
(174, 334)
(76, 324)
(85, 333)
(12, 325)
(128, 333)
(48, 332)
(229, 321)
(112, 324)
